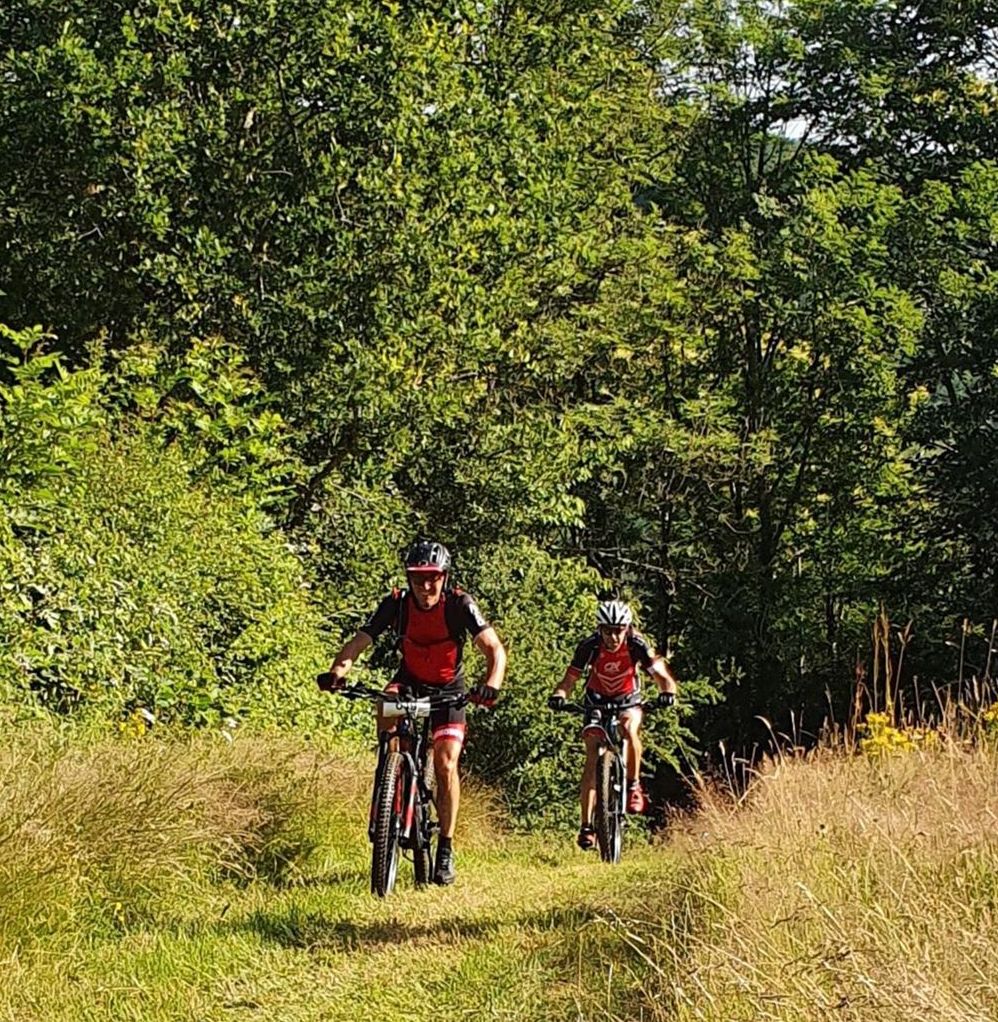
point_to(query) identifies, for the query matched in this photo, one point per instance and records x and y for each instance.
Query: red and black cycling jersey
(431, 641)
(612, 673)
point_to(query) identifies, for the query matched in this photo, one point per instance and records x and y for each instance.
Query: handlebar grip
(324, 681)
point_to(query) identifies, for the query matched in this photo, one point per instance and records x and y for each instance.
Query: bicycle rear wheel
(388, 825)
(609, 788)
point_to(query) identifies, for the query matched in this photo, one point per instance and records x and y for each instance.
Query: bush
(130, 590)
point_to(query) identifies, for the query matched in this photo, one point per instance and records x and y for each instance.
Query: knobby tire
(608, 823)
(422, 856)
(387, 826)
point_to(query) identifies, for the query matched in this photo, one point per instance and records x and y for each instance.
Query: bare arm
(663, 675)
(488, 644)
(348, 654)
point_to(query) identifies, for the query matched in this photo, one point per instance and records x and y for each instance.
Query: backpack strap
(631, 649)
(593, 654)
(401, 613)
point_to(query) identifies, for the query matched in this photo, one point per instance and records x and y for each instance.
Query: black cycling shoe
(586, 839)
(445, 873)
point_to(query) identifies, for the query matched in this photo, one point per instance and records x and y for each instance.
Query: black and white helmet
(613, 613)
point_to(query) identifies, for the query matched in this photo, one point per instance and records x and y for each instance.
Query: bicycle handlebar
(574, 708)
(375, 695)
(580, 711)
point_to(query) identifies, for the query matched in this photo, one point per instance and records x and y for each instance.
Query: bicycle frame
(615, 743)
(408, 738)
(607, 720)
(400, 815)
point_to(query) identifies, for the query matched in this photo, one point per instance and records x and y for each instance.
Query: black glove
(666, 699)
(483, 695)
(556, 702)
(328, 682)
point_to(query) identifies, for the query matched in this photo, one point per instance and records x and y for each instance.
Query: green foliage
(782, 488)
(697, 299)
(212, 404)
(133, 581)
(50, 420)
(544, 606)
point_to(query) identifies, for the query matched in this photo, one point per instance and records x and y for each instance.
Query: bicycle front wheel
(422, 853)
(609, 794)
(388, 825)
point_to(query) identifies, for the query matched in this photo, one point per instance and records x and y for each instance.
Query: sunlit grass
(217, 881)
(207, 881)
(858, 887)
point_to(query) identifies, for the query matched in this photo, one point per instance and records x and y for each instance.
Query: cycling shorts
(629, 705)
(447, 723)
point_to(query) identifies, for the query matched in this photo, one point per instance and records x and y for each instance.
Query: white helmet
(613, 613)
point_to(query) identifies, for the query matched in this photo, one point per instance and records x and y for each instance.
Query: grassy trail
(521, 936)
(203, 882)
(164, 881)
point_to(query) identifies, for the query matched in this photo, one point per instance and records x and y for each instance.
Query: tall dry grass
(843, 887)
(96, 836)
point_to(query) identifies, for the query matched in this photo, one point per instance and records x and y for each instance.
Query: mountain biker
(609, 658)
(431, 622)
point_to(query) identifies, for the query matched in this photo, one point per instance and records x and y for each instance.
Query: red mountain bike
(402, 821)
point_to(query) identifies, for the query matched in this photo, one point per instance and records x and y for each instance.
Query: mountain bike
(610, 818)
(402, 819)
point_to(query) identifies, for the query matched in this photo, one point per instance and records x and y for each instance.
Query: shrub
(139, 584)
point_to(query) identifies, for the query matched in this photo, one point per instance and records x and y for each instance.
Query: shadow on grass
(316, 932)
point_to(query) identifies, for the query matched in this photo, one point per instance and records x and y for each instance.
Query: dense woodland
(694, 299)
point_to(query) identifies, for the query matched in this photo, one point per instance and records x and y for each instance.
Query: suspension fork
(384, 743)
(616, 745)
(621, 755)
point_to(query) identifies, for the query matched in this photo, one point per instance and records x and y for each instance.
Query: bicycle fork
(406, 797)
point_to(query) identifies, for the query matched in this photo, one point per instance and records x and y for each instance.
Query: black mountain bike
(611, 775)
(403, 809)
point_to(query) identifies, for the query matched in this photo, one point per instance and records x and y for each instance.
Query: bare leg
(631, 726)
(446, 754)
(587, 792)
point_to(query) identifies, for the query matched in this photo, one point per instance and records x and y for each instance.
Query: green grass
(529, 931)
(207, 881)
(511, 940)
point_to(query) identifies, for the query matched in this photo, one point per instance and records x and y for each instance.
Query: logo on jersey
(476, 614)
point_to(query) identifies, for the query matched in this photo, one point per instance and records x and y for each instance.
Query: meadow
(209, 879)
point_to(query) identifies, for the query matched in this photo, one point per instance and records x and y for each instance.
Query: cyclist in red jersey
(431, 623)
(609, 659)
